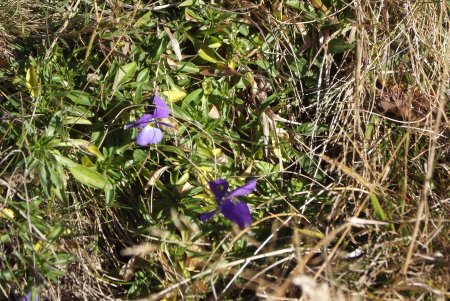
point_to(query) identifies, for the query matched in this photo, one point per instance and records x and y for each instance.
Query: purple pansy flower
(233, 209)
(150, 132)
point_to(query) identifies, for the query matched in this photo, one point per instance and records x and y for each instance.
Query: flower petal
(238, 213)
(219, 187)
(28, 297)
(141, 122)
(149, 135)
(161, 109)
(243, 190)
(204, 217)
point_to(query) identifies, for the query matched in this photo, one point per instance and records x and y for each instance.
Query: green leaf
(110, 196)
(172, 149)
(73, 142)
(300, 5)
(95, 151)
(244, 29)
(311, 233)
(309, 165)
(56, 232)
(138, 92)
(262, 64)
(55, 123)
(80, 97)
(139, 156)
(85, 161)
(266, 167)
(339, 45)
(377, 207)
(214, 42)
(44, 177)
(268, 101)
(6, 275)
(64, 259)
(78, 111)
(142, 76)
(161, 49)
(77, 120)
(124, 74)
(308, 128)
(174, 95)
(90, 177)
(193, 96)
(193, 14)
(186, 3)
(187, 67)
(265, 65)
(66, 162)
(370, 128)
(57, 179)
(145, 19)
(32, 82)
(184, 178)
(208, 54)
(379, 212)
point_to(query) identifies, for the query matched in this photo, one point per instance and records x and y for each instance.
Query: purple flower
(231, 208)
(28, 297)
(150, 132)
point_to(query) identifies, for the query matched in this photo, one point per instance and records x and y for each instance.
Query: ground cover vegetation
(224, 150)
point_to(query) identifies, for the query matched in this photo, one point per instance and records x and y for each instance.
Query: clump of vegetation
(247, 149)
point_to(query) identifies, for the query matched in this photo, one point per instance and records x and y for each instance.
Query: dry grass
(399, 44)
